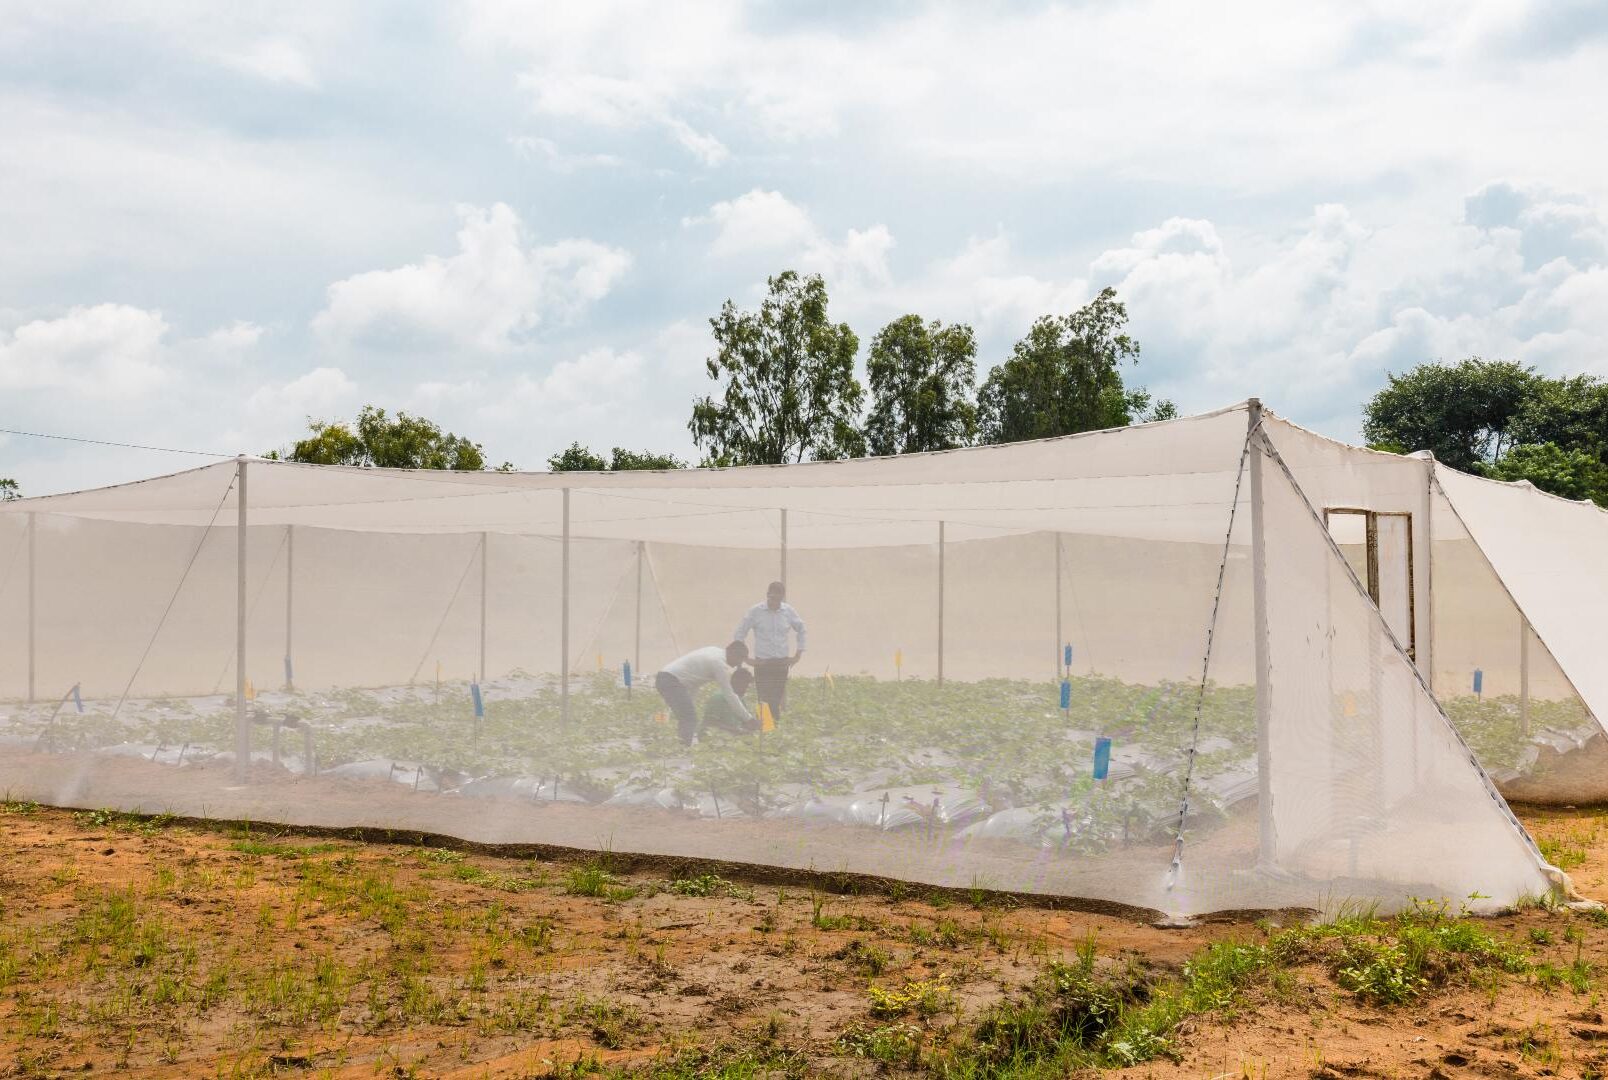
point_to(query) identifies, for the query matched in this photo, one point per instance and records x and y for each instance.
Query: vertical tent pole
(1524, 674)
(563, 635)
(1267, 850)
(636, 648)
(1423, 572)
(242, 730)
(32, 576)
(290, 587)
(485, 556)
(1059, 640)
(940, 603)
(783, 576)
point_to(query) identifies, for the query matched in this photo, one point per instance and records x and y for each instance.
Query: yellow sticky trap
(660, 718)
(831, 683)
(1349, 704)
(600, 661)
(767, 722)
(251, 691)
(898, 662)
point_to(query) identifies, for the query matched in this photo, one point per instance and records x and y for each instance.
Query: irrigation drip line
(1206, 662)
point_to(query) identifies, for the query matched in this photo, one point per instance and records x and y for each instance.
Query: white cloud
(490, 295)
(104, 351)
(768, 223)
(277, 60)
(319, 393)
(238, 336)
(535, 147)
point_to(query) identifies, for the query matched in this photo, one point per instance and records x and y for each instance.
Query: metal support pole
(242, 725)
(563, 636)
(1424, 580)
(290, 605)
(940, 603)
(32, 577)
(783, 576)
(485, 556)
(1268, 848)
(1524, 674)
(636, 650)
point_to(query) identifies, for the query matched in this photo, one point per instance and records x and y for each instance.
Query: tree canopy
(1461, 412)
(1499, 419)
(9, 489)
(578, 458)
(1065, 376)
(923, 377)
(380, 441)
(788, 390)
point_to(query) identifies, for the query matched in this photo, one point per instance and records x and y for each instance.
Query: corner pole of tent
(32, 576)
(1524, 674)
(242, 730)
(940, 603)
(485, 556)
(290, 605)
(1424, 558)
(1267, 850)
(636, 647)
(782, 577)
(564, 619)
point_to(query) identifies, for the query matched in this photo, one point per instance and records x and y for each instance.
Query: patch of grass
(14, 806)
(594, 880)
(822, 921)
(897, 1045)
(924, 997)
(281, 851)
(709, 885)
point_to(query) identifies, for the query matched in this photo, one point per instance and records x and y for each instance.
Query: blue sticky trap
(290, 675)
(1479, 680)
(78, 700)
(1067, 655)
(1102, 757)
(480, 702)
(625, 670)
(1066, 693)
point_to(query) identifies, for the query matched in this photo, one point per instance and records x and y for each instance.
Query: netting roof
(1163, 481)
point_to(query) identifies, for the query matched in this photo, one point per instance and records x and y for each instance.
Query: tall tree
(380, 441)
(789, 391)
(578, 458)
(9, 489)
(1065, 376)
(1461, 412)
(922, 377)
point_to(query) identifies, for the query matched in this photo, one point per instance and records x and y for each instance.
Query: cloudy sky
(217, 220)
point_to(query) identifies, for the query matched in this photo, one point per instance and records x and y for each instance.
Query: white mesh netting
(448, 653)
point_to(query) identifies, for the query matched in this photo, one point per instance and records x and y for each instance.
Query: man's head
(736, 654)
(741, 680)
(775, 593)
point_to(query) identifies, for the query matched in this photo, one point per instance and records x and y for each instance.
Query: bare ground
(155, 949)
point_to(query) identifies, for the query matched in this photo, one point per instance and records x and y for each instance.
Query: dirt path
(157, 950)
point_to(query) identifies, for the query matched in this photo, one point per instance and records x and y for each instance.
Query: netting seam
(1490, 787)
(1206, 662)
(183, 577)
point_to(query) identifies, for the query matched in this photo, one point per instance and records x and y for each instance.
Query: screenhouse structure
(1185, 666)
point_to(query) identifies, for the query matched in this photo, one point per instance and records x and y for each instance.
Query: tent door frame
(1371, 523)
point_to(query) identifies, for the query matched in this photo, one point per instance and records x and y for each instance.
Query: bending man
(678, 680)
(769, 622)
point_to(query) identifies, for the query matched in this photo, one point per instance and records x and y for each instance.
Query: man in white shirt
(678, 680)
(770, 622)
